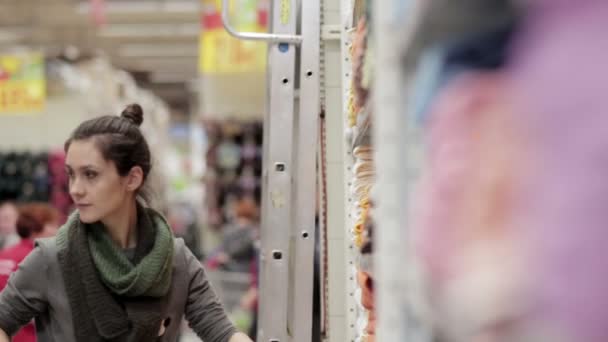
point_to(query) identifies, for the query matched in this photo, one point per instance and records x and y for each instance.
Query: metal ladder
(289, 168)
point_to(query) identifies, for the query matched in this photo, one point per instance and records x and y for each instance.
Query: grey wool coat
(37, 290)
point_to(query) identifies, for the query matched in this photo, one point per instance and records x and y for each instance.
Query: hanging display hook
(266, 37)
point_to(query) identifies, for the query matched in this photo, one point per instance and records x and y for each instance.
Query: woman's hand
(238, 337)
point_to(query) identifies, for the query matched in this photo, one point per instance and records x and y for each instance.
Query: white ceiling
(156, 38)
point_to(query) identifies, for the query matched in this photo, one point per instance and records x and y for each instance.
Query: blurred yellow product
(285, 11)
(365, 201)
(359, 240)
(359, 227)
(351, 101)
(352, 113)
(35, 90)
(358, 234)
(22, 83)
(22, 97)
(221, 53)
(10, 64)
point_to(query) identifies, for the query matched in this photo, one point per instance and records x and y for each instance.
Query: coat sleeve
(25, 294)
(204, 312)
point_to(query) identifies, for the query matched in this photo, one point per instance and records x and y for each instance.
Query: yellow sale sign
(22, 83)
(222, 53)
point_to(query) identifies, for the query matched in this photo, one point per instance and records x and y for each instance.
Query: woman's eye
(90, 174)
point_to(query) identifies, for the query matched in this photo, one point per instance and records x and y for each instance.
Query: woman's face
(96, 187)
(8, 218)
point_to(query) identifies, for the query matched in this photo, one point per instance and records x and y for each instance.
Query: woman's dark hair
(118, 138)
(34, 216)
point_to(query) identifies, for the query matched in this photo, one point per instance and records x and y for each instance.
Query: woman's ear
(135, 178)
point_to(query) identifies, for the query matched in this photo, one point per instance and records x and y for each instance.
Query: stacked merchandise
(28, 176)
(24, 176)
(362, 182)
(509, 218)
(462, 230)
(359, 59)
(234, 168)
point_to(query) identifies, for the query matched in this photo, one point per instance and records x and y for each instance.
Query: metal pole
(306, 141)
(278, 175)
(289, 170)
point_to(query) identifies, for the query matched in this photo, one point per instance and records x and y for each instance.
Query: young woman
(114, 272)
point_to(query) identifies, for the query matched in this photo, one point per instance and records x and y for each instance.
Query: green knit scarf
(151, 277)
(113, 298)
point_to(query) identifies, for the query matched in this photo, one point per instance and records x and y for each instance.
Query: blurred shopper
(114, 272)
(8, 224)
(237, 249)
(36, 220)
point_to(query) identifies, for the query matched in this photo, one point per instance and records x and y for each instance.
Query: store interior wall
(233, 96)
(45, 130)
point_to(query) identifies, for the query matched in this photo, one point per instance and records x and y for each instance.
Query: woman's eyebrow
(83, 167)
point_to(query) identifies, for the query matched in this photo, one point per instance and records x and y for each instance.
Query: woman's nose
(76, 188)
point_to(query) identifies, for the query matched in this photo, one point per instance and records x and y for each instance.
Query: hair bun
(134, 113)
